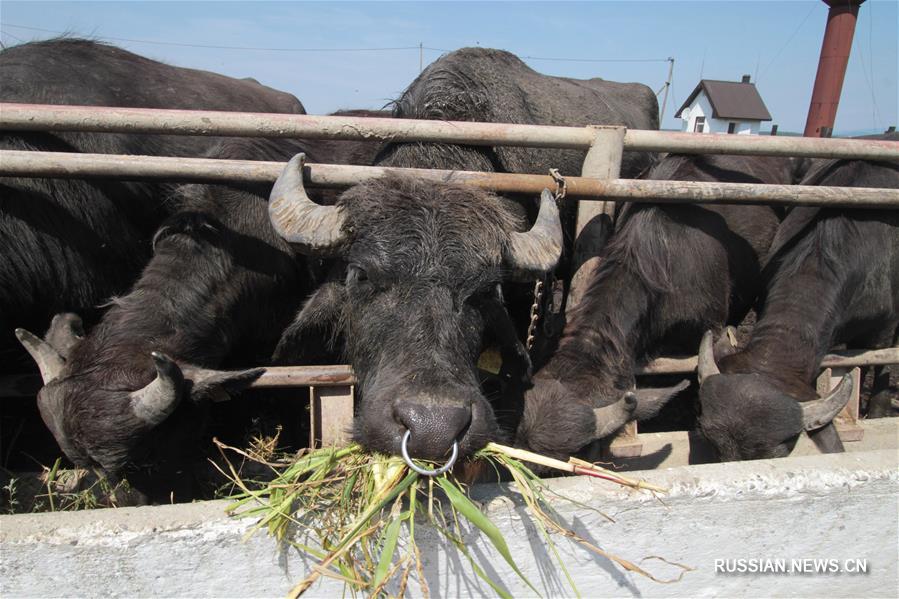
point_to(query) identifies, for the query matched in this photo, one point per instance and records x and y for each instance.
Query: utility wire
(261, 49)
(18, 39)
(217, 47)
(598, 59)
(784, 47)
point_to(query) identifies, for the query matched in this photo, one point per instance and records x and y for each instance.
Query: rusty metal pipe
(15, 163)
(38, 117)
(340, 375)
(835, 49)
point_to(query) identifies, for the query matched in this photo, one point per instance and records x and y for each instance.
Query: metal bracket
(626, 444)
(331, 423)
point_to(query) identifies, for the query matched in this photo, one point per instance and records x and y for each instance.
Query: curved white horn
(49, 362)
(314, 229)
(820, 412)
(539, 249)
(612, 417)
(155, 402)
(706, 365)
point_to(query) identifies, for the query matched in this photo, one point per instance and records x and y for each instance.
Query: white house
(724, 107)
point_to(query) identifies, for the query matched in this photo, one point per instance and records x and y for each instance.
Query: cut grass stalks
(349, 508)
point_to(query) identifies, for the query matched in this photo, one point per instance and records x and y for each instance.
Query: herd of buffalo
(150, 302)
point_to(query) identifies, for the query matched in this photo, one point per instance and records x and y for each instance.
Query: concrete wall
(840, 507)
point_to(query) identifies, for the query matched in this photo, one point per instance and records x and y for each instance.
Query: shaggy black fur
(669, 273)
(69, 245)
(423, 259)
(832, 278)
(480, 84)
(218, 289)
(424, 263)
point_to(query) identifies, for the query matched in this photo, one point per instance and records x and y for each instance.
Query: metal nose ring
(421, 470)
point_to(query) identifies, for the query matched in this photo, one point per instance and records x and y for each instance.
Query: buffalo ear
(651, 401)
(65, 332)
(301, 341)
(218, 385)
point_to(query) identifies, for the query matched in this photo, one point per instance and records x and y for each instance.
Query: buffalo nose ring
(421, 470)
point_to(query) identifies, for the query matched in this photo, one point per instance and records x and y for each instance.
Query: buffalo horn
(820, 412)
(539, 249)
(312, 228)
(65, 332)
(155, 402)
(612, 417)
(706, 365)
(48, 359)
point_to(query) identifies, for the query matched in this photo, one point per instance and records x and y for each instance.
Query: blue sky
(778, 43)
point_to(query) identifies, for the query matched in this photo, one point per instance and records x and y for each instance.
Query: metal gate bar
(280, 377)
(66, 165)
(42, 117)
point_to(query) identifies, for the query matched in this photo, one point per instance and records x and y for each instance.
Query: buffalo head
(417, 284)
(108, 426)
(754, 416)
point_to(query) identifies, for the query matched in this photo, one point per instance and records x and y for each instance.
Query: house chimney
(745, 79)
(822, 112)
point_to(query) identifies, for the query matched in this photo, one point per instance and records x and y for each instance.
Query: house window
(699, 125)
(731, 127)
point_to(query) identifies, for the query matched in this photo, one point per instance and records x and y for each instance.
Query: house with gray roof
(724, 107)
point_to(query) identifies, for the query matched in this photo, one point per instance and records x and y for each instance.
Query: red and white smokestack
(822, 112)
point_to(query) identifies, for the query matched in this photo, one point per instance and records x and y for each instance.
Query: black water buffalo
(423, 266)
(68, 245)
(668, 274)
(481, 84)
(220, 287)
(832, 278)
(418, 288)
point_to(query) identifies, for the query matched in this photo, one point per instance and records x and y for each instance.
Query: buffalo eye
(356, 274)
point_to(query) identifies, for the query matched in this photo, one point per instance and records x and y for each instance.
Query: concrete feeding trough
(807, 525)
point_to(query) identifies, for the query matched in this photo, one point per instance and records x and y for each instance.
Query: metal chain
(535, 314)
(561, 190)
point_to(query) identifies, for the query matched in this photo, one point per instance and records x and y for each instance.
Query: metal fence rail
(599, 181)
(16, 163)
(41, 117)
(279, 377)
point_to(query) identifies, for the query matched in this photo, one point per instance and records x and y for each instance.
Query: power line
(598, 59)
(262, 49)
(784, 47)
(18, 39)
(217, 47)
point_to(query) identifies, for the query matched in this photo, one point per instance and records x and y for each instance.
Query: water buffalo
(422, 265)
(832, 278)
(417, 291)
(220, 287)
(668, 274)
(481, 84)
(68, 245)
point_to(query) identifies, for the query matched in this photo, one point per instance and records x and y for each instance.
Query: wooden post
(331, 415)
(846, 422)
(603, 161)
